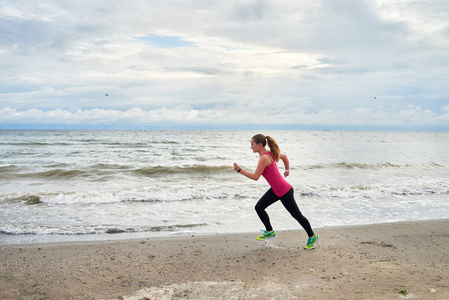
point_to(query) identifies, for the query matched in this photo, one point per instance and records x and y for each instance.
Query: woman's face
(255, 146)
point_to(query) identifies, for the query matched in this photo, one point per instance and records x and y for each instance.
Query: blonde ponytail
(274, 148)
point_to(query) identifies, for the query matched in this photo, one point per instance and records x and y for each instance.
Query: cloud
(245, 10)
(298, 62)
(187, 116)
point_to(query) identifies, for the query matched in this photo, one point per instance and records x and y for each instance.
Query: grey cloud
(248, 10)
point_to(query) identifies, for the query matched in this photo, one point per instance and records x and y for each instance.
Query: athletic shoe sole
(317, 238)
(271, 237)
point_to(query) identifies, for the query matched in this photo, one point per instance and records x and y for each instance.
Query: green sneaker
(311, 242)
(266, 235)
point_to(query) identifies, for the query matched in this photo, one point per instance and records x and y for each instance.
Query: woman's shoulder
(267, 156)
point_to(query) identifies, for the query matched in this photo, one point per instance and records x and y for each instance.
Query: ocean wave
(345, 165)
(32, 144)
(54, 173)
(106, 171)
(164, 142)
(158, 170)
(127, 144)
(143, 195)
(372, 166)
(24, 199)
(91, 230)
(373, 191)
(204, 192)
(57, 171)
(96, 142)
(9, 169)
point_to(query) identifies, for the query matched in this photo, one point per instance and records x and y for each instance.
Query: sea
(89, 185)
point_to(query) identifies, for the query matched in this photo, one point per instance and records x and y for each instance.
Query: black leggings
(289, 203)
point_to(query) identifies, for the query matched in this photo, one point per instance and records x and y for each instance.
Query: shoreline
(378, 261)
(123, 237)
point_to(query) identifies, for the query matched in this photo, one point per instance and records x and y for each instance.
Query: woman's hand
(286, 173)
(236, 167)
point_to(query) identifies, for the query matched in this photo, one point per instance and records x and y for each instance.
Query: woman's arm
(286, 162)
(263, 162)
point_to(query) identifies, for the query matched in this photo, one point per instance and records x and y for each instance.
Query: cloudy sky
(225, 64)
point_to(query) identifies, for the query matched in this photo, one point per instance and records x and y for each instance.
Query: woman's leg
(288, 200)
(266, 200)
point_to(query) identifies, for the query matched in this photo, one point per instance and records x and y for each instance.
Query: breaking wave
(90, 230)
(55, 172)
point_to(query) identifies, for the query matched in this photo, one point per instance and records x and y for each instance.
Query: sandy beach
(387, 261)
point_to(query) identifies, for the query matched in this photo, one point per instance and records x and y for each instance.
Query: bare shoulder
(265, 159)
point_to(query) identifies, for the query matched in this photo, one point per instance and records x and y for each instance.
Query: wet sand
(386, 261)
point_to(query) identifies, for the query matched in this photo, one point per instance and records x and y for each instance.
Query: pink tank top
(274, 178)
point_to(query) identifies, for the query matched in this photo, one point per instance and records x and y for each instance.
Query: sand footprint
(272, 244)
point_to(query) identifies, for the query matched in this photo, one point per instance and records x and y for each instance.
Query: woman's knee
(259, 208)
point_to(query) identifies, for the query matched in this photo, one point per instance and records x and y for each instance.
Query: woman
(280, 188)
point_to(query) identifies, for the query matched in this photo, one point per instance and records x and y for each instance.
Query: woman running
(280, 188)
